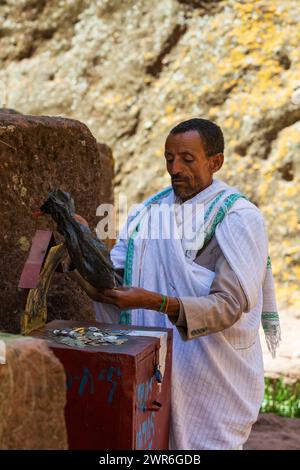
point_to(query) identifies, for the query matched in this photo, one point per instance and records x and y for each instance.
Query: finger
(105, 300)
(111, 293)
(102, 298)
(123, 288)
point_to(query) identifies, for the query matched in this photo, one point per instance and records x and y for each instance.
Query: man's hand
(124, 297)
(135, 297)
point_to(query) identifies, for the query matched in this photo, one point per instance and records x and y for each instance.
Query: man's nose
(176, 167)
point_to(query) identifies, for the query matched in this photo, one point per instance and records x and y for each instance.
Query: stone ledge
(32, 397)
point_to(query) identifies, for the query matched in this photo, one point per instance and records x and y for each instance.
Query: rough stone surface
(36, 155)
(32, 397)
(272, 432)
(130, 70)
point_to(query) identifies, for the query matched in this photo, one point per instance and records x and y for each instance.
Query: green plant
(281, 398)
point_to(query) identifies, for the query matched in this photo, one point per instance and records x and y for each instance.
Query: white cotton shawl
(217, 380)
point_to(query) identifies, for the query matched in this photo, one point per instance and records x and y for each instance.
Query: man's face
(190, 169)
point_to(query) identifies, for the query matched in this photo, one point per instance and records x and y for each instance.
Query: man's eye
(169, 159)
(188, 159)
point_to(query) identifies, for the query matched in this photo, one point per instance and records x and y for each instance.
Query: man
(213, 295)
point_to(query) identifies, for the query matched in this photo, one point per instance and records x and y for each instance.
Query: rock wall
(130, 70)
(38, 154)
(32, 397)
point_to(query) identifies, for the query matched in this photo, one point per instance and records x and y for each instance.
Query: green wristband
(163, 303)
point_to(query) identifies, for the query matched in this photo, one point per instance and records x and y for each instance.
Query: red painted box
(114, 400)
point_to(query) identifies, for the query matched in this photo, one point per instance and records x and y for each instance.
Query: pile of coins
(88, 336)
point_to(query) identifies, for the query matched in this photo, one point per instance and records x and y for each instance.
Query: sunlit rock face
(132, 69)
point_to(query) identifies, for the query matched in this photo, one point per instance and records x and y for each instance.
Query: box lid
(136, 346)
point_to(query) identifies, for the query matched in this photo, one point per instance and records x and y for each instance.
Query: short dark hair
(210, 133)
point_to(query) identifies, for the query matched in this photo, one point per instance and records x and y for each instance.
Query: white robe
(218, 379)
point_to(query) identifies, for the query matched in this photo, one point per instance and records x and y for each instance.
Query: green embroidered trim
(269, 264)
(213, 205)
(227, 204)
(129, 258)
(125, 318)
(125, 315)
(270, 316)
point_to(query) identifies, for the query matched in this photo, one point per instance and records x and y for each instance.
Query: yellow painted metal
(35, 312)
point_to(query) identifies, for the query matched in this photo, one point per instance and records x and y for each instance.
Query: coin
(65, 332)
(79, 330)
(73, 334)
(93, 328)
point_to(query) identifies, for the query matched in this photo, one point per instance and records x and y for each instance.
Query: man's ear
(216, 162)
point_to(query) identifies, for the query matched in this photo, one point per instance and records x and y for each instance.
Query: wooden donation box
(115, 399)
